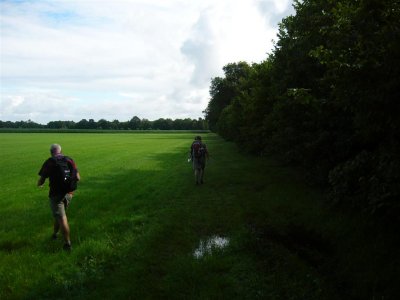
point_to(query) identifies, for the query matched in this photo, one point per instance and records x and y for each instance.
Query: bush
(369, 182)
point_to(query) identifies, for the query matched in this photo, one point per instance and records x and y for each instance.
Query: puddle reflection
(207, 246)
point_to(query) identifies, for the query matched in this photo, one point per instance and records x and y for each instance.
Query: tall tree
(223, 90)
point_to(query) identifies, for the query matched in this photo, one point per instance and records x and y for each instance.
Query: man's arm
(41, 181)
(72, 162)
(207, 154)
(43, 173)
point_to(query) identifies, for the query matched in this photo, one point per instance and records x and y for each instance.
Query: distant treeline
(133, 124)
(326, 99)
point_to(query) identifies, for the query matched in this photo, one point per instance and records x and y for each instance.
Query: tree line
(134, 123)
(326, 99)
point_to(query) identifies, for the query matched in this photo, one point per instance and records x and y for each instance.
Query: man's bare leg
(56, 227)
(63, 221)
(65, 228)
(197, 175)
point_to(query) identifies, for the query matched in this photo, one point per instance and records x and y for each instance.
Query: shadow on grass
(9, 246)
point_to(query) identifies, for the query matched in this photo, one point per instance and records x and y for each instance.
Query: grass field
(141, 229)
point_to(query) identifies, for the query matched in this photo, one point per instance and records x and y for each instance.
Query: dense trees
(133, 124)
(326, 99)
(20, 124)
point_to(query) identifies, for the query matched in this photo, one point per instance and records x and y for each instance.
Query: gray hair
(55, 149)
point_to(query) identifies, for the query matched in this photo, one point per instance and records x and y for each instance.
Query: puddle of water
(207, 246)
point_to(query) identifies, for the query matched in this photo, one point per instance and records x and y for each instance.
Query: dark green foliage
(369, 180)
(326, 99)
(222, 91)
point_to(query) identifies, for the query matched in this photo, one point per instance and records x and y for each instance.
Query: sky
(101, 59)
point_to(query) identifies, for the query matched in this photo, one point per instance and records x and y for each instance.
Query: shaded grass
(137, 219)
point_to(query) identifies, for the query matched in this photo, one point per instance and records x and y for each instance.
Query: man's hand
(41, 182)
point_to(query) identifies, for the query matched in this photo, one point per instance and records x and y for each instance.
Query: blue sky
(73, 60)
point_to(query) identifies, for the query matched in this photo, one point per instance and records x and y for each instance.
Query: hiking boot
(67, 247)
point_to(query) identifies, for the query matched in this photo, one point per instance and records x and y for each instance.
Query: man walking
(63, 176)
(198, 154)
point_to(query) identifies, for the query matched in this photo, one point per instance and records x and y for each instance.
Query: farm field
(141, 229)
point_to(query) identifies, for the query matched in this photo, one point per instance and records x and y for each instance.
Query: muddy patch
(11, 246)
(308, 245)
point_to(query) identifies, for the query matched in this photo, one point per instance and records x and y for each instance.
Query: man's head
(198, 138)
(55, 149)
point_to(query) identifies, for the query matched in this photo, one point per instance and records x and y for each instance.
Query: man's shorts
(58, 204)
(199, 163)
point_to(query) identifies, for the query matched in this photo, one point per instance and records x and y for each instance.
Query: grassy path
(138, 219)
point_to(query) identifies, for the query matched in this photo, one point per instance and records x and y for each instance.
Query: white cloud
(115, 59)
(35, 104)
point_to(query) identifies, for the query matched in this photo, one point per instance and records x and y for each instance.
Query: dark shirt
(200, 161)
(49, 170)
(204, 150)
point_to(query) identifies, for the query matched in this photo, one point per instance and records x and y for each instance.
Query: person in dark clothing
(199, 154)
(59, 199)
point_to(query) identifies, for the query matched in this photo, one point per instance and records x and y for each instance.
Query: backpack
(65, 175)
(198, 149)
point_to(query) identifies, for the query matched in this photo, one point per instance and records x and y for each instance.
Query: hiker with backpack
(198, 155)
(63, 178)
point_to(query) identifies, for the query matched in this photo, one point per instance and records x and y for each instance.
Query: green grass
(137, 219)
